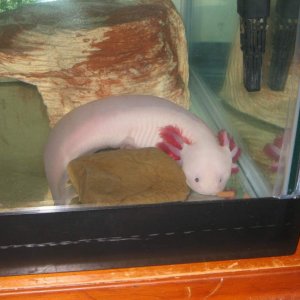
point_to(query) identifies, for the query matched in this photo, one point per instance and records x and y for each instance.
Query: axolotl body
(138, 121)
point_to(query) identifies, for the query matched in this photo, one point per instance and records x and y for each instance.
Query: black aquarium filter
(253, 27)
(283, 42)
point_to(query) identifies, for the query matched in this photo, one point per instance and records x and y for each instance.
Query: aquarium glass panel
(244, 68)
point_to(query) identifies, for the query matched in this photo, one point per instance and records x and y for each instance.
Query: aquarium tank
(101, 103)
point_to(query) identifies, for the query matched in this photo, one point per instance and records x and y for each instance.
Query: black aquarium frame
(60, 239)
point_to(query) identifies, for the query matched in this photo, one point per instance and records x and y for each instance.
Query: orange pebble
(228, 194)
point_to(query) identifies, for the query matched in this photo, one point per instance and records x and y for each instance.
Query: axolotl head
(207, 170)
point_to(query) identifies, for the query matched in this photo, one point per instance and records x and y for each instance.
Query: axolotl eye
(197, 179)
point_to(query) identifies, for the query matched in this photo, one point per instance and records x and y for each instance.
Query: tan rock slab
(128, 176)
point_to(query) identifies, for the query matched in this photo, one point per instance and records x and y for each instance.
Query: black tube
(253, 26)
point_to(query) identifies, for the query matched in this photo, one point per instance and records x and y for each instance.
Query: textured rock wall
(78, 51)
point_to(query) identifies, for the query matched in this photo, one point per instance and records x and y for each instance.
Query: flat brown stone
(128, 176)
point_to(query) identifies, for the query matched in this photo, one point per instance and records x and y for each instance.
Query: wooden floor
(264, 278)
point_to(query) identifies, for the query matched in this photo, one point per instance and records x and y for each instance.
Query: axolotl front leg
(128, 143)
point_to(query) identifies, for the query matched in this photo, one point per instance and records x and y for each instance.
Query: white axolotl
(139, 121)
